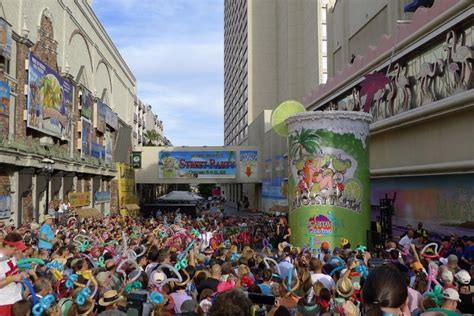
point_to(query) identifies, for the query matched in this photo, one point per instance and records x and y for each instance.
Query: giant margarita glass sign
(328, 176)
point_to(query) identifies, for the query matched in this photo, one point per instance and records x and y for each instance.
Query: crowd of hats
(96, 265)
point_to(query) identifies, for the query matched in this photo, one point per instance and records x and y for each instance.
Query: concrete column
(75, 183)
(328, 177)
(14, 193)
(34, 196)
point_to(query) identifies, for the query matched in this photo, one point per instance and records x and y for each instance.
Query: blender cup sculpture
(328, 174)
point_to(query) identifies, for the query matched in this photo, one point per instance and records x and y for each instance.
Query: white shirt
(326, 280)
(11, 293)
(405, 241)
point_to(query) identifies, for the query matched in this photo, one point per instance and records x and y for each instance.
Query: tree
(304, 139)
(152, 137)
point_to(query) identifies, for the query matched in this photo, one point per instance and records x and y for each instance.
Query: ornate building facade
(67, 102)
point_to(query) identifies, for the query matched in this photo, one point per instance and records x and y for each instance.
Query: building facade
(273, 51)
(67, 107)
(152, 122)
(415, 77)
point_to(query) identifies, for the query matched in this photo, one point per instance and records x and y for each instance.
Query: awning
(88, 213)
(132, 207)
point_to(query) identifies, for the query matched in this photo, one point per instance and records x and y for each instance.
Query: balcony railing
(32, 147)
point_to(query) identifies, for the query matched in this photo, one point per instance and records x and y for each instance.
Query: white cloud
(175, 50)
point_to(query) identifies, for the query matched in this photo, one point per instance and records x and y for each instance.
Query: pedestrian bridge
(195, 165)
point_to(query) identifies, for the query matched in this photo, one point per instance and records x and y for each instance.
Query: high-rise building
(273, 51)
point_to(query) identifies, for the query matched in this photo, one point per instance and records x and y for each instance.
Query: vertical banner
(4, 108)
(86, 137)
(5, 206)
(248, 164)
(100, 112)
(126, 185)
(5, 39)
(108, 146)
(328, 177)
(87, 101)
(49, 100)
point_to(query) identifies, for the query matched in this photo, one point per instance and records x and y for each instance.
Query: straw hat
(344, 287)
(110, 297)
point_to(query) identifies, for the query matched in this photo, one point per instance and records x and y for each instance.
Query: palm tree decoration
(152, 136)
(304, 139)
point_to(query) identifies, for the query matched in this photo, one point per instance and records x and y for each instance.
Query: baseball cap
(463, 277)
(451, 294)
(447, 276)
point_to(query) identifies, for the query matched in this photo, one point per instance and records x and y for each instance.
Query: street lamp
(47, 170)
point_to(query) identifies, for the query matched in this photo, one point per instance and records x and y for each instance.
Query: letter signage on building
(49, 100)
(197, 164)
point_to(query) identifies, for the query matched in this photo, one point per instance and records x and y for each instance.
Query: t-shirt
(179, 298)
(284, 266)
(325, 279)
(11, 293)
(209, 283)
(443, 310)
(48, 232)
(405, 241)
(415, 299)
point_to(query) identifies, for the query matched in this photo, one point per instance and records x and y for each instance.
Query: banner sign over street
(197, 164)
(49, 99)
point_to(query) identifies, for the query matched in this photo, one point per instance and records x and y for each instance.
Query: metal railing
(33, 147)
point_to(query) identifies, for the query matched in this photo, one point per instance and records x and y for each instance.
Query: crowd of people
(175, 265)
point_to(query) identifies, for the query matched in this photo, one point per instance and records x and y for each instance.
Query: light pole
(48, 172)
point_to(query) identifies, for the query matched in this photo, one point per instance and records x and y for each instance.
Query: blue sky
(175, 49)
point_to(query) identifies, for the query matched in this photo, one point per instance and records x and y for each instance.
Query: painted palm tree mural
(306, 140)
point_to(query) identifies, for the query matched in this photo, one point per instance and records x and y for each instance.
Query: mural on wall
(4, 108)
(249, 164)
(86, 137)
(197, 164)
(445, 69)
(274, 195)
(49, 99)
(5, 39)
(445, 204)
(328, 177)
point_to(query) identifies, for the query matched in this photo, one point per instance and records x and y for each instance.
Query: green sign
(137, 160)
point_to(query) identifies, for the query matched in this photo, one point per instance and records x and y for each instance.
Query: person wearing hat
(463, 279)
(46, 234)
(450, 303)
(109, 301)
(10, 277)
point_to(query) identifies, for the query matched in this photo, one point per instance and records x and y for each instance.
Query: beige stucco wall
(283, 52)
(354, 25)
(104, 68)
(441, 143)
